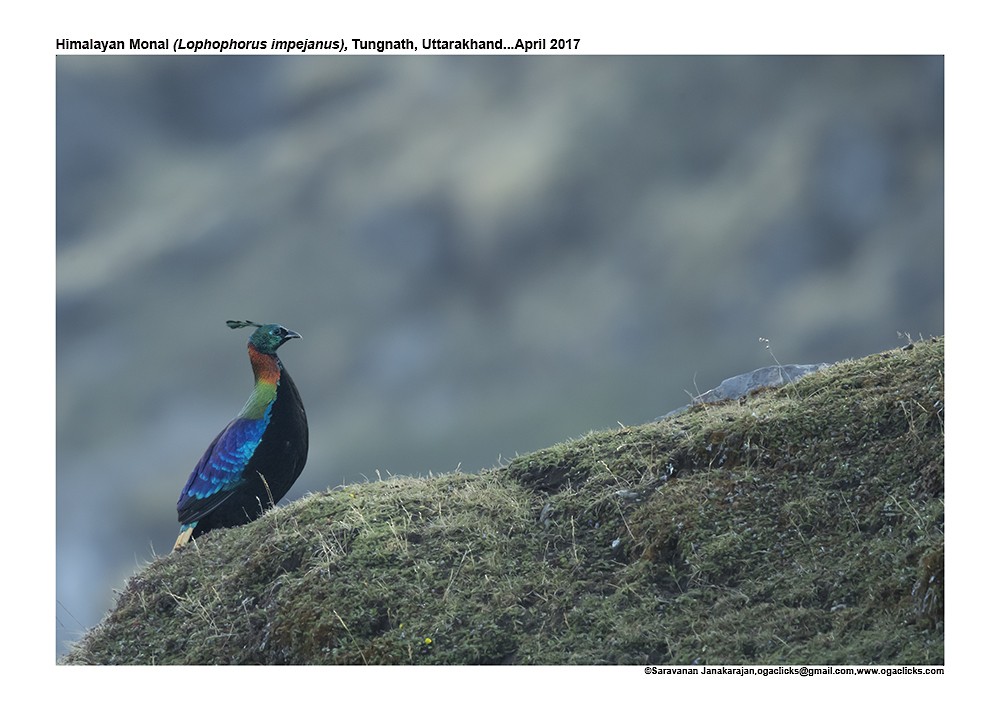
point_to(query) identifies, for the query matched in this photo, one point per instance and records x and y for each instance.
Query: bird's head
(266, 338)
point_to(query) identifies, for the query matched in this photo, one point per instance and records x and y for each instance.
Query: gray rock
(740, 385)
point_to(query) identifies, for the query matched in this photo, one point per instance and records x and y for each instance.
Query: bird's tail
(186, 532)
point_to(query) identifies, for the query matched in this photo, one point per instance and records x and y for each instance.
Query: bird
(252, 463)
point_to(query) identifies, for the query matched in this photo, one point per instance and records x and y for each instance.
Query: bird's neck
(266, 368)
(267, 374)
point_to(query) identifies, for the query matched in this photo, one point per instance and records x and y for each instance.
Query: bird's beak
(291, 334)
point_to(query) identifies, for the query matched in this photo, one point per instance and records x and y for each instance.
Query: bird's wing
(220, 470)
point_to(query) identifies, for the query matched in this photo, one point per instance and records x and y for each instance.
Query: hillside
(801, 525)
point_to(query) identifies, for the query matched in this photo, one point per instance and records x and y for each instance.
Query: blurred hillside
(484, 255)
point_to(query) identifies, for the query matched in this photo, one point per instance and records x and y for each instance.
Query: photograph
(598, 359)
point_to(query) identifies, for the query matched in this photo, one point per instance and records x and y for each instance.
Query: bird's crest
(236, 324)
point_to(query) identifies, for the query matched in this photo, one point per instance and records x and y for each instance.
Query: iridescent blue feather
(220, 470)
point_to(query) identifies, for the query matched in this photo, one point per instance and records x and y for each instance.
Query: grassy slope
(804, 525)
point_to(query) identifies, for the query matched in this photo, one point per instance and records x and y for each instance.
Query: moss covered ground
(799, 525)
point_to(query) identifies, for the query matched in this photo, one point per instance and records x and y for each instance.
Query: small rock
(741, 385)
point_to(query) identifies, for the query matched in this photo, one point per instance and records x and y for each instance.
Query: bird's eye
(276, 331)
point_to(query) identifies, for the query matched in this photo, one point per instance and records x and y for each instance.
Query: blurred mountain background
(484, 255)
